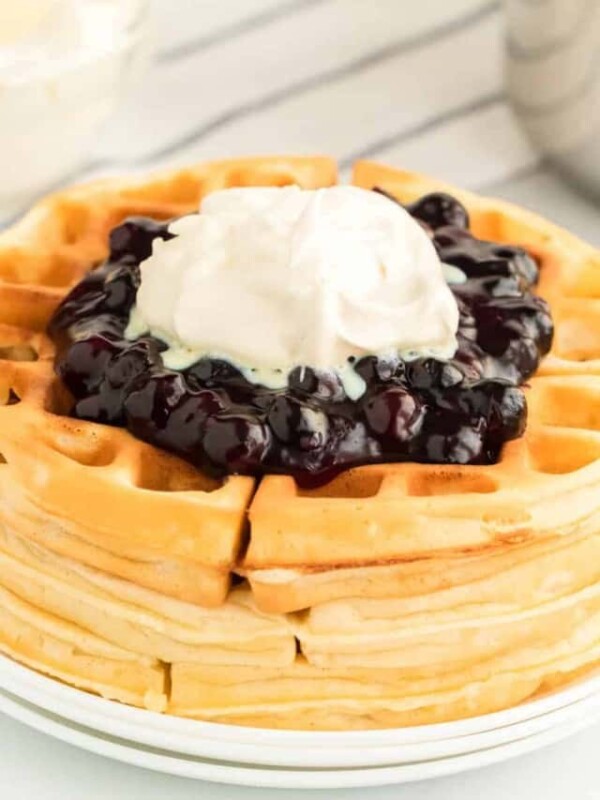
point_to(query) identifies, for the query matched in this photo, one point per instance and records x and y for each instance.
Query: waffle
(394, 595)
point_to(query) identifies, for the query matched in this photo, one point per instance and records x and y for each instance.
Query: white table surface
(461, 129)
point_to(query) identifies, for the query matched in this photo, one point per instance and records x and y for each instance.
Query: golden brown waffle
(397, 594)
(546, 483)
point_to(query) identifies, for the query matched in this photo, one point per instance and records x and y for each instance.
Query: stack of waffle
(394, 595)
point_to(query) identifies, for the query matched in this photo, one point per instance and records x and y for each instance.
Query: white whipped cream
(274, 278)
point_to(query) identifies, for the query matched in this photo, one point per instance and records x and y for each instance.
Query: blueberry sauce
(459, 411)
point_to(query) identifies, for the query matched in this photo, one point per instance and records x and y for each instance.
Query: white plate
(289, 749)
(232, 773)
(191, 738)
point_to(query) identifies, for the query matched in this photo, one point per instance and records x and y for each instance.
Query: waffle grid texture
(397, 594)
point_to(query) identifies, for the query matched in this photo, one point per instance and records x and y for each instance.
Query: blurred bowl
(64, 67)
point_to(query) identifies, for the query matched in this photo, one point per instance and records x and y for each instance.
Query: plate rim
(261, 777)
(25, 682)
(323, 758)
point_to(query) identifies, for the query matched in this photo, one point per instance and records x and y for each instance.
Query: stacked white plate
(290, 759)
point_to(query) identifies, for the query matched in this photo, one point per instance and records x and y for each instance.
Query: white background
(414, 84)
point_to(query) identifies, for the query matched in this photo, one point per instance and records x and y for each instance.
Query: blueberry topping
(438, 209)
(435, 210)
(395, 416)
(459, 411)
(481, 259)
(131, 242)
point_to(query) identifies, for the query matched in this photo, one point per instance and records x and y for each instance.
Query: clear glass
(64, 66)
(553, 76)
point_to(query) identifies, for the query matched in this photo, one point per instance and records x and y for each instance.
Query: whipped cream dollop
(274, 278)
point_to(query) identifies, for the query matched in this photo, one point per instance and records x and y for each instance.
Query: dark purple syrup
(459, 411)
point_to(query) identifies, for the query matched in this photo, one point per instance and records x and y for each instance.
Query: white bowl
(63, 72)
